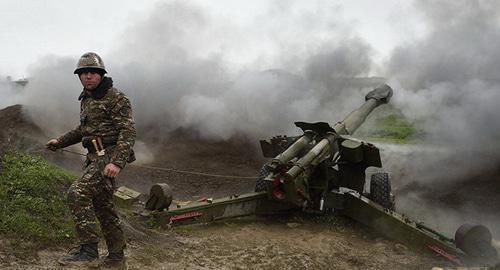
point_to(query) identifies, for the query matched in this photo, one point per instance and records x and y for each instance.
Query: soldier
(107, 131)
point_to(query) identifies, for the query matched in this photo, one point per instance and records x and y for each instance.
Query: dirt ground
(295, 241)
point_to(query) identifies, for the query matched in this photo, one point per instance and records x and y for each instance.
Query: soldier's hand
(111, 170)
(52, 144)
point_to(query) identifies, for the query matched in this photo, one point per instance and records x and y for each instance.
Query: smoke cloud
(186, 68)
(448, 84)
(452, 74)
(50, 98)
(8, 92)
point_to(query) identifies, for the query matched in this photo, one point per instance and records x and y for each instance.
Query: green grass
(32, 201)
(393, 128)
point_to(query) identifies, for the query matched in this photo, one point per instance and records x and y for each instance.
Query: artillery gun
(323, 171)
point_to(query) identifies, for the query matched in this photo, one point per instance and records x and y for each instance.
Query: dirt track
(260, 244)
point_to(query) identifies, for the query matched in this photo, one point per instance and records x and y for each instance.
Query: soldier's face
(90, 80)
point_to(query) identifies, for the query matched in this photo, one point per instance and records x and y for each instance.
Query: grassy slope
(389, 126)
(32, 201)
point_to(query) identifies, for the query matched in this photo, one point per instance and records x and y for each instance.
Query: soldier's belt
(98, 144)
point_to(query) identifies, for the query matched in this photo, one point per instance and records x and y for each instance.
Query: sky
(32, 29)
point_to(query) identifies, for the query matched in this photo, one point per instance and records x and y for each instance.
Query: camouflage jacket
(105, 112)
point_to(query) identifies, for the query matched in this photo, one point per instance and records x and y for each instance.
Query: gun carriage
(323, 171)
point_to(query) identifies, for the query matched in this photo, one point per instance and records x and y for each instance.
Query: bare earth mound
(16, 132)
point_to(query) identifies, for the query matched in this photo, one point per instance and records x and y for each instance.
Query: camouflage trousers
(90, 199)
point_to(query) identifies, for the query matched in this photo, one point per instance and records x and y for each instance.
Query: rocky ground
(294, 241)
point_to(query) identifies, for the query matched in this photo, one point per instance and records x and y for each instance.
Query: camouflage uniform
(105, 112)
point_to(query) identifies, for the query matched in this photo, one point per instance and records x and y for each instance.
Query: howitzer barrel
(374, 98)
(303, 162)
(293, 150)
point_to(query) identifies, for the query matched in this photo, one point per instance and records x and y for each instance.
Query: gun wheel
(160, 197)
(260, 184)
(380, 190)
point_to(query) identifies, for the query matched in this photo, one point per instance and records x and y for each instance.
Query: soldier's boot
(87, 253)
(114, 260)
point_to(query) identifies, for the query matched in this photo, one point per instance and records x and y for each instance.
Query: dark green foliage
(32, 201)
(394, 127)
(398, 127)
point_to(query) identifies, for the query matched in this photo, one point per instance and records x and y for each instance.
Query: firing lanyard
(164, 169)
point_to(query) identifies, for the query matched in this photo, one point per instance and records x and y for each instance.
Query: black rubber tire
(261, 184)
(380, 190)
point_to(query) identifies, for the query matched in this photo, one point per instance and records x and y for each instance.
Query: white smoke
(9, 94)
(449, 79)
(447, 83)
(50, 98)
(181, 67)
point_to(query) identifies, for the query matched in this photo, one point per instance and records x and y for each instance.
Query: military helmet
(90, 61)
